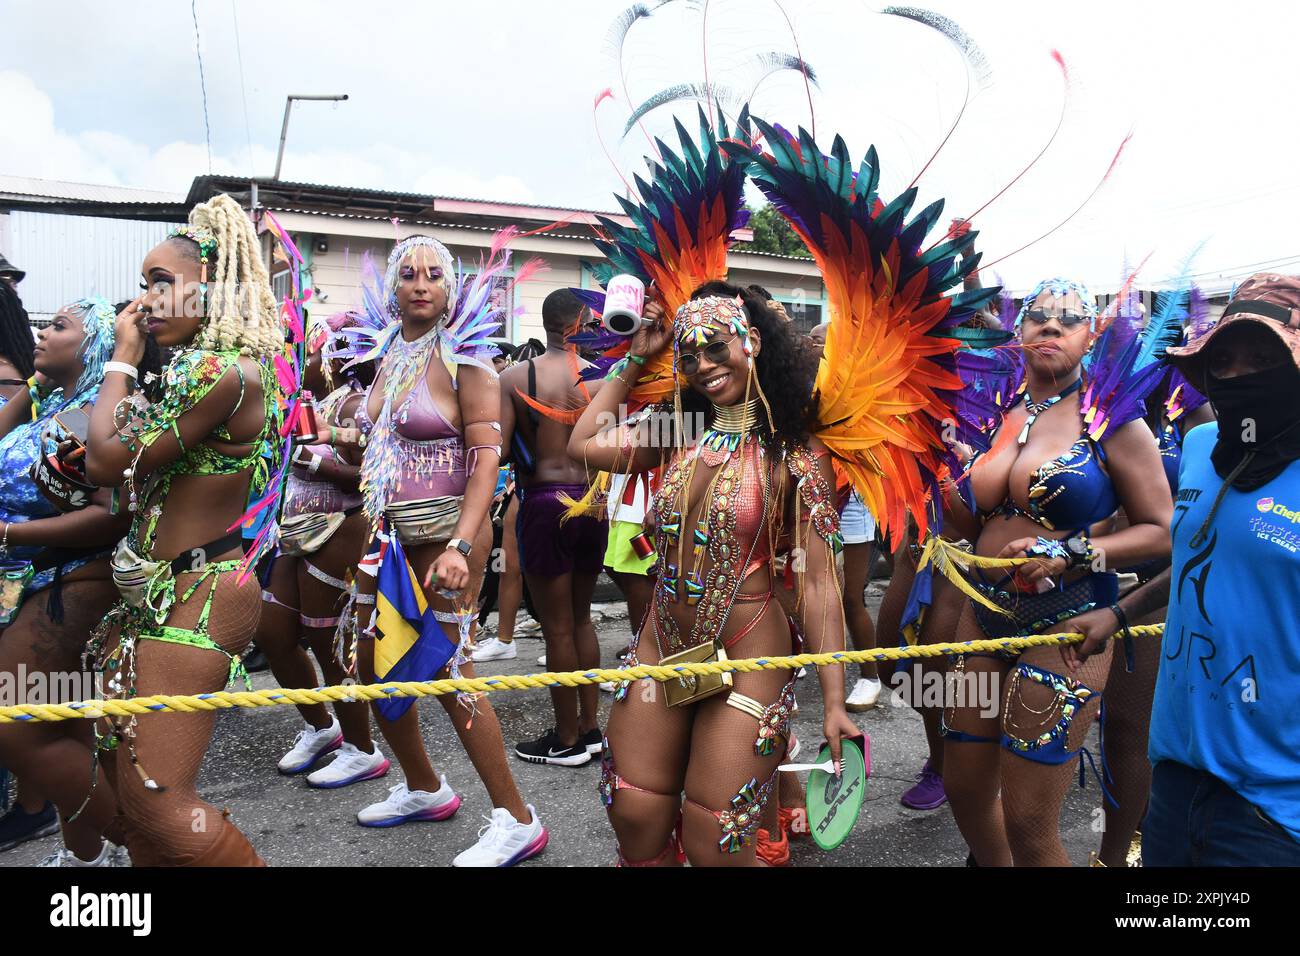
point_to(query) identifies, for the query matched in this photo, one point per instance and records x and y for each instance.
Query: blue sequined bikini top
(1070, 492)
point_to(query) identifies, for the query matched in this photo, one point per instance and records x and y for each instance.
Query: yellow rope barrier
(222, 700)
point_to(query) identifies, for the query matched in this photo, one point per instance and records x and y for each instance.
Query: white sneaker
(505, 841)
(864, 696)
(404, 805)
(494, 650)
(309, 746)
(608, 686)
(525, 626)
(108, 856)
(350, 765)
(541, 661)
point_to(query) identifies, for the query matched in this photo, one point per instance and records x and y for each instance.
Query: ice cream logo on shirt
(1276, 508)
(1279, 534)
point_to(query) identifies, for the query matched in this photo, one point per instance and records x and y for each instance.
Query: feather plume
(1060, 121)
(616, 37)
(887, 384)
(977, 67)
(681, 230)
(769, 64)
(807, 79)
(700, 92)
(1077, 209)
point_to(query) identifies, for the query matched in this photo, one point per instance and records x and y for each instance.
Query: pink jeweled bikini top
(741, 494)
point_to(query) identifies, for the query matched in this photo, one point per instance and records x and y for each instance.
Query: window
(281, 285)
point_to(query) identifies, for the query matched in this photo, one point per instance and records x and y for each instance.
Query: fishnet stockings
(705, 750)
(1128, 720)
(1033, 792)
(175, 827)
(55, 757)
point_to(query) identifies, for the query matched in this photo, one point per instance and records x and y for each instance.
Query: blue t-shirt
(1229, 680)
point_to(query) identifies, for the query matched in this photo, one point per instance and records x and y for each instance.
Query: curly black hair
(786, 368)
(16, 342)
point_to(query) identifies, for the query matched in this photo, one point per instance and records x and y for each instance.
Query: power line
(248, 130)
(1252, 266)
(203, 86)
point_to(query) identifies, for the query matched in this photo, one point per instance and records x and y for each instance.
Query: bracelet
(636, 359)
(1048, 548)
(1130, 661)
(122, 367)
(333, 435)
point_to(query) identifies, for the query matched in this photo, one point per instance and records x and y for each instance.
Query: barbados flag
(409, 642)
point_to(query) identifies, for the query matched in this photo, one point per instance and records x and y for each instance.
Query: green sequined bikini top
(190, 376)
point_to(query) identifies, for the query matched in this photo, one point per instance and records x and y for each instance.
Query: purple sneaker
(928, 792)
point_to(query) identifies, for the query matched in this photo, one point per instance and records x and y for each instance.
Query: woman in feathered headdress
(189, 464)
(744, 481)
(56, 585)
(321, 533)
(427, 480)
(1065, 460)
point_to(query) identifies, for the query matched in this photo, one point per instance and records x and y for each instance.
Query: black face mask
(1259, 415)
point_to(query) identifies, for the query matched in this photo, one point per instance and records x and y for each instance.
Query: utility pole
(284, 128)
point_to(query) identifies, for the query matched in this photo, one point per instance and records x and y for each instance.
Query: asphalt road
(293, 825)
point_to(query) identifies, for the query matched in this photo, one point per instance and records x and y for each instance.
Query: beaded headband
(205, 240)
(712, 313)
(1060, 288)
(207, 244)
(404, 249)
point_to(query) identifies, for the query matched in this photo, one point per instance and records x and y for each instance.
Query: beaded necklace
(405, 363)
(1037, 408)
(726, 444)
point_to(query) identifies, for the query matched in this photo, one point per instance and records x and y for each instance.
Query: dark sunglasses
(716, 352)
(1067, 320)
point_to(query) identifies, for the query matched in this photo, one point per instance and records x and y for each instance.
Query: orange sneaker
(772, 852)
(794, 822)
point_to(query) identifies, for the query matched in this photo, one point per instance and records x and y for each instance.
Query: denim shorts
(856, 523)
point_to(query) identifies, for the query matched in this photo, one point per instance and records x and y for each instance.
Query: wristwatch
(1080, 551)
(461, 545)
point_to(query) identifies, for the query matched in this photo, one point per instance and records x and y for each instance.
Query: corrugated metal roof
(271, 185)
(487, 231)
(32, 188)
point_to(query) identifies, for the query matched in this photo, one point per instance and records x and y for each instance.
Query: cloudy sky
(495, 100)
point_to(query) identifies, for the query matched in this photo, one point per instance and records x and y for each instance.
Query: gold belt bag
(308, 533)
(690, 688)
(426, 519)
